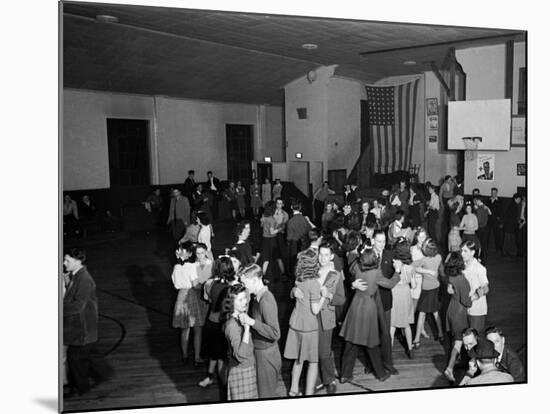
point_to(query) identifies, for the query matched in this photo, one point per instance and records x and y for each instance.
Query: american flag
(391, 118)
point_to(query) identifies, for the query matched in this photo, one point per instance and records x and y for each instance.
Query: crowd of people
(361, 271)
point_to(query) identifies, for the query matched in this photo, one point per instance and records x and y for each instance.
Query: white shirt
(212, 186)
(204, 236)
(183, 275)
(434, 202)
(476, 274)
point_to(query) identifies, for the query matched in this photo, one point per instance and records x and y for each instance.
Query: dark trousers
(478, 323)
(384, 323)
(521, 236)
(483, 236)
(86, 362)
(326, 357)
(283, 249)
(494, 229)
(432, 224)
(177, 227)
(446, 212)
(268, 371)
(318, 206)
(350, 355)
(293, 249)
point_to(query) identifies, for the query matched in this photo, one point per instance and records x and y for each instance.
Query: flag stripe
(406, 103)
(388, 153)
(415, 94)
(399, 126)
(380, 141)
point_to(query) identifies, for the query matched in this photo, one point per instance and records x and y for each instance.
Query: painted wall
(438, 161)
(519, 62)
(274, 134)
(505, 173)
(184, 134)
(308, 136)
(344, 123)
(485, 71)
(85, 149)
(191, 135)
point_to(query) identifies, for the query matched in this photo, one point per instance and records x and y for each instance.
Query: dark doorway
(337, 180)
(264, 170)
(239, 152)
(128, 152)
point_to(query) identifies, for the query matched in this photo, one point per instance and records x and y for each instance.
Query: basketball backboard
(490, 120)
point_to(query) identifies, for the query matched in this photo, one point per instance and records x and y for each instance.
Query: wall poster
(485, 167)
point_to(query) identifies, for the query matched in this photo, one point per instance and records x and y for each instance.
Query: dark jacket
(386, 265)
(189, 186)
(80, 310)
(496, 211)
(179, 210)
(217, 184)
(334, 283)
(511, 364)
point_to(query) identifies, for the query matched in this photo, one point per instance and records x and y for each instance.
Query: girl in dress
(302, 342)
(402, 311)
(432, 211)
(360, 327)
(70, 215)
(241, 379)
(192, 231)
(255, 198)
(457, 312)
(243, 246)
(327, 217)
(428, 302)
(214, 342)
(204, 273)
(455, 240)
(270, 229)
(456, 205)
(476, 275)
(469, 224)
(188, 309)
(205, 233)
(241, 203)
(277, 189)
(376, 209)
(266, 191)
(416, 254)
(414, 207)
(230, 195)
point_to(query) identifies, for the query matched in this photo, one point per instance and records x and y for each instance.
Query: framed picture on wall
(518, 132)
(432, 138)
(433, 122)
(485, 167)
(431, 106)
(522, 169)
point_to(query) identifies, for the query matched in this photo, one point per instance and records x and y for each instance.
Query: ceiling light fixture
(409, 62)
(309, 46)
(105, 18)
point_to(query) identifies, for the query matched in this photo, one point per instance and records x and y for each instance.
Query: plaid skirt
(241, 383)
(193, 312)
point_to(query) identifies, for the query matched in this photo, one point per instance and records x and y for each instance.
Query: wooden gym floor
(136, 296)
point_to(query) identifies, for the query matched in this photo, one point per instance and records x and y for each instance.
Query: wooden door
(336, 180)
(239, 152)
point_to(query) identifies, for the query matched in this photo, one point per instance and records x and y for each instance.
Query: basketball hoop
(471, 145)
